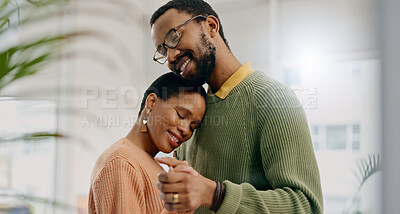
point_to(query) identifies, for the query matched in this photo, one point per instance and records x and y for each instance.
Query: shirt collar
(237, 77)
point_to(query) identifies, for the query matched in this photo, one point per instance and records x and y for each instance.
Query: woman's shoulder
(119, 152)
(122, 149)
(124, 155)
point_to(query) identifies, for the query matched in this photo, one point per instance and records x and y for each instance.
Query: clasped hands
(183, 188)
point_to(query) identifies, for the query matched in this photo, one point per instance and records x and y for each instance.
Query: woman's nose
(184, 128)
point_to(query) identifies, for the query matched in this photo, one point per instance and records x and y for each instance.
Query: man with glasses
(254, 147)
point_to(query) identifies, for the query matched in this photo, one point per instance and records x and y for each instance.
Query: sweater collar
(237, 77)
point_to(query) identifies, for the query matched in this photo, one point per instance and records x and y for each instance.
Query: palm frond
(38, 137)
(24, 197)
(25, 58)
(29, 61)
(30, 137)
(367, 167)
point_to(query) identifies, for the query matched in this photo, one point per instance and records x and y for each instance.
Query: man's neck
(226, 64)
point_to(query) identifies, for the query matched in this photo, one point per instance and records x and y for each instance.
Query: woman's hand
(179, 166)
(191, 188)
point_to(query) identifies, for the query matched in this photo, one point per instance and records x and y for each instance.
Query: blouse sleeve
(118, 188)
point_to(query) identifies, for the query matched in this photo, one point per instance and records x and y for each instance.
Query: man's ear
(151, 100)
(213, 25)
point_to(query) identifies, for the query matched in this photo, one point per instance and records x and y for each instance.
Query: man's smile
(183, 66)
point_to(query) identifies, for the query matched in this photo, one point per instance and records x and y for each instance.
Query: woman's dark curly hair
(169, 85)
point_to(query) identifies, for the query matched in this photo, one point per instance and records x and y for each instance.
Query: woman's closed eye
(179, 115)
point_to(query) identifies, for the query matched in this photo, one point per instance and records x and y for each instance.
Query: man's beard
(204, 64)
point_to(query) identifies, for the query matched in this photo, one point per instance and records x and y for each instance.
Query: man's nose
(172, 54)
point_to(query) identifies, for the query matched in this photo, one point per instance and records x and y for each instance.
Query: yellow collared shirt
(237, 77)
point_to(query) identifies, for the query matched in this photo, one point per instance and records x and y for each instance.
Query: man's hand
(193, 190)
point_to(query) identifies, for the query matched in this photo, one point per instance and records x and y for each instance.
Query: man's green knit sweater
(257, 142)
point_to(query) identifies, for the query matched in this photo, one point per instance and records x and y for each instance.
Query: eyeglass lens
(171, 41)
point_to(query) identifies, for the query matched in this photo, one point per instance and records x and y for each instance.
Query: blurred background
(73, 73)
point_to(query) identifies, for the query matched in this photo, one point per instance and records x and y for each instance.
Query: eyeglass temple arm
(193, 18)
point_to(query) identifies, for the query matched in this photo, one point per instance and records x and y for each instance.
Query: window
(315, 138)
(356, 137)
(27, 166)
(336, 137)
(292, 76)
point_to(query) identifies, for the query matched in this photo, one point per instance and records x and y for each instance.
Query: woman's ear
(151, 100)
(213, 25)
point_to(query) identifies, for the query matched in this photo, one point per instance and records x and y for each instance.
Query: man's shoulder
(259, 79)
(269, 93)
(263, 85)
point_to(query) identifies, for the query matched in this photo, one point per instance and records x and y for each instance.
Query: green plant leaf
(31, 136)
(41, 200)
(5, 21)
(366, 167)
(11, 71)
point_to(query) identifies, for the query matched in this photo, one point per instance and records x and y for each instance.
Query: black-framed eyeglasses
(172, 39)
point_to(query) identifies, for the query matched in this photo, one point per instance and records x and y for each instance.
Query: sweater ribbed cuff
(233, 195)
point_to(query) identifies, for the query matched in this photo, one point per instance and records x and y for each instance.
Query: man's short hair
(192, 7)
